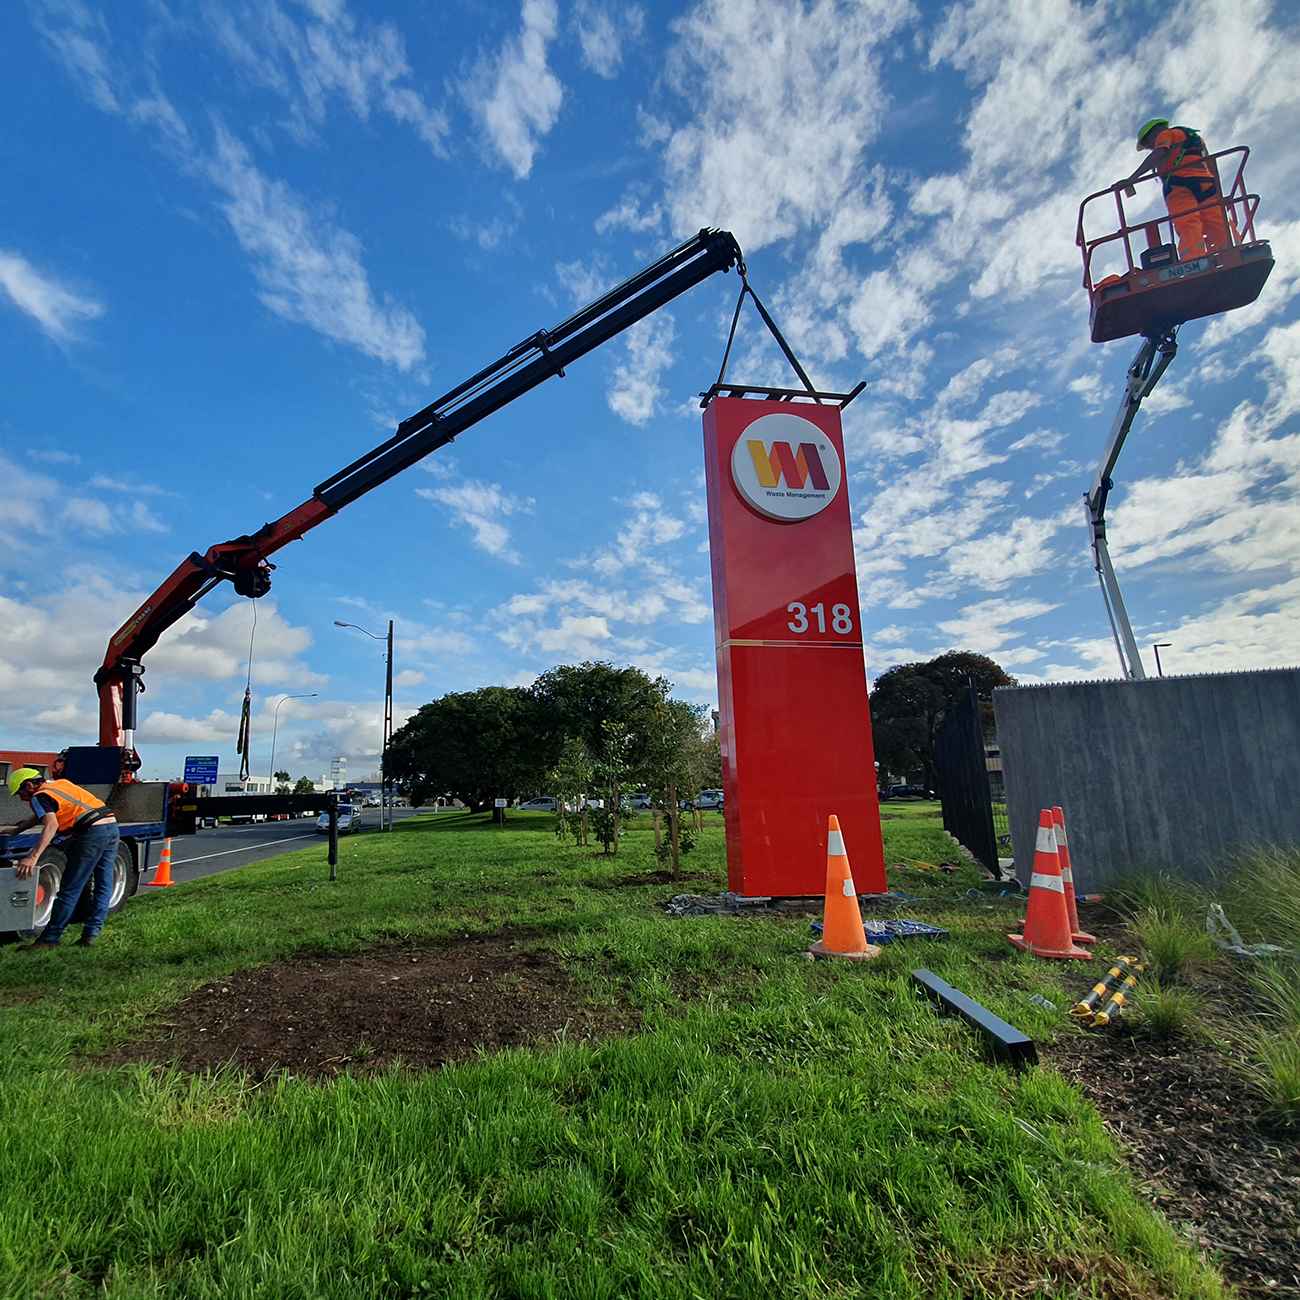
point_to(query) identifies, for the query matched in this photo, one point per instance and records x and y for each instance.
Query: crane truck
(151, 811)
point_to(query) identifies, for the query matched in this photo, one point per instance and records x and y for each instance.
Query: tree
(579, 699)
(475, 745)
(570, 781)
(281, 780)
(672, 764)
(612, 774)
(910, 702)
(304, 785)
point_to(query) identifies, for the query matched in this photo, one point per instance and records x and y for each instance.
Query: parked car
(373, 801)
(639, 801)
(350, 819)
(543, 804)
(709, 801)
(910, 792)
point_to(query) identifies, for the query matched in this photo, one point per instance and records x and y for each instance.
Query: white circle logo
(786, 467)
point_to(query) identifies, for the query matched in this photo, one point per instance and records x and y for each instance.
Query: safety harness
(1192, 151)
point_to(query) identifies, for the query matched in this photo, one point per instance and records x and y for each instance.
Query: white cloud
(516, 96)
(56, 308)
(51, 642)
(77, 36)
(481, 507)
(635, 390)
(158, 728)
(322, 55)
(1005, 555)
(603, 32)
(308, 269)
(583, 637)
(628, 214)
(584, 281)
(784, 104)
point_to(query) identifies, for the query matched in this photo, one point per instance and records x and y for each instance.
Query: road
(226, 847)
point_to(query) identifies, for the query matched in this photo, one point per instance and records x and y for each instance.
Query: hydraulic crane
(244, 561)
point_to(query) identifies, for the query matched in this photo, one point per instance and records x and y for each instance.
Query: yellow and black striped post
(1085, 1010)
(1118, 999)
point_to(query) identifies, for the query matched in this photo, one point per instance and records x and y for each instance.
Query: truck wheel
(126, 878)
(49, 875)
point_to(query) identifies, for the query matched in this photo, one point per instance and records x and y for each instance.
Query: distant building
(230, 783)
(14, 758)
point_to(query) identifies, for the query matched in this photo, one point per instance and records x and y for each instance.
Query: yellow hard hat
(21, 774)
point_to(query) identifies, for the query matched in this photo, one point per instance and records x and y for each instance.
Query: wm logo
(798, 469)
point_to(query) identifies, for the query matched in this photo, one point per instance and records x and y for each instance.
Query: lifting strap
(244, 743)
(747, 288)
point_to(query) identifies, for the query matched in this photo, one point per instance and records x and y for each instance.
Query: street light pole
(385, 785)
(385, 800)
(1157, 646)
(275, 728)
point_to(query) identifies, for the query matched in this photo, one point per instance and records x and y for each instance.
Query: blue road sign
(201, 770)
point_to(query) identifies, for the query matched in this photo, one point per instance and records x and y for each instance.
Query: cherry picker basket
(1149, 288)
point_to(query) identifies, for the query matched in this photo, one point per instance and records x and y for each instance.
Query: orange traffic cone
(1067, 878)
(843, 934)
(163, 876)
(1047, 923)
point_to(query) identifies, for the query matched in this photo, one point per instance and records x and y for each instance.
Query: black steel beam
(534, 361)
(1006, 1041)
(225, 805)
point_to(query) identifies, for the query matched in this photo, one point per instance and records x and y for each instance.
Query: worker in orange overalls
(1179, 156)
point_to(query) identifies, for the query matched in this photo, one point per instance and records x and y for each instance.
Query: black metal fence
(961, 764)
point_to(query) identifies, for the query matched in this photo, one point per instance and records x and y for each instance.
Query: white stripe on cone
(849, 891)
(1046, 841)
(1040, 881)
(1060, 833)
(835, 845)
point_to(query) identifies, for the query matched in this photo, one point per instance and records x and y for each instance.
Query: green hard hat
(1149, 126)
(21, 774)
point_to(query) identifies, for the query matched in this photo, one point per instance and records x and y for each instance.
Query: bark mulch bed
(319, 1015)
(1193, 1132)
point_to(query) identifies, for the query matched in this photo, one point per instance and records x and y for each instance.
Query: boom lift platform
(1152, 298)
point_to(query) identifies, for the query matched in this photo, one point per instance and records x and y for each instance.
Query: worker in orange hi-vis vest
(90, 847)
(1179, 156)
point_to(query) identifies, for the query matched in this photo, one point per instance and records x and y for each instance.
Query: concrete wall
(1173, 773)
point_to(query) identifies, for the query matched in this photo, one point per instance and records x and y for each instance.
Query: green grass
(1172, 944)
(792, 1128)
(1168, 1011)
(1261, 894)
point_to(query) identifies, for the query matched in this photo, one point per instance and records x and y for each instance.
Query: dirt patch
(1026, 1277)
(318, 1015)
(656, 878)
(1189, 1127)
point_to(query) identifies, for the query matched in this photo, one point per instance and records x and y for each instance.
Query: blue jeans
(91, 852)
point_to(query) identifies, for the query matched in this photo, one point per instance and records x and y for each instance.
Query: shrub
(1168, 1012)
(1172, 942)
(1261, 895)
(1275, 1071)
(1155, 891)
(1277, 986)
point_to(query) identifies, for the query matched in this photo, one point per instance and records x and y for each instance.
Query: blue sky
(241, 239)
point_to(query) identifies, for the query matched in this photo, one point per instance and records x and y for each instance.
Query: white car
(709, 800)
(544, 804)
(350, 819)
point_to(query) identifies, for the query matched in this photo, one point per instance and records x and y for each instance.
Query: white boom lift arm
(1145, 372)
